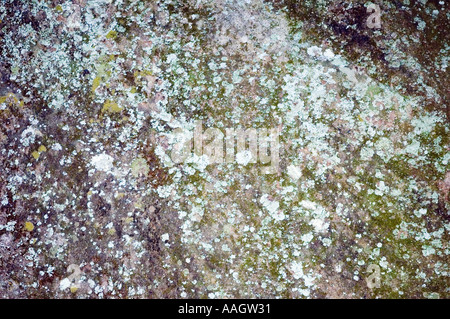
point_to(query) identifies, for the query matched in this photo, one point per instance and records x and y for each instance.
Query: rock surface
(96, 94)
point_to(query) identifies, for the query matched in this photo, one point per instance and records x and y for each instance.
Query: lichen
(94, 98)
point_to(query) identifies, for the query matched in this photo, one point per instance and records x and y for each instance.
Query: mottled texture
(93, 206)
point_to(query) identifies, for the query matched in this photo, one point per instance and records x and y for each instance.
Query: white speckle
(420, 212)
(28, 135)
(421, 24)
(307, 237)
(383, 263)
(385, 148)
(171, 58)
(199, 162)
(272, 207)
(314, 51)
(56, 147)
(308, 204)
(294, 172)
(428, 250)
(328, 54)
(165, 191)
(91, 283)
(64, 284)
(165, 237)
(297, 272)
(381, 188)
(413, 148)
(319, 225)
(102, 162)
(244, 157)
(304, 292)
(366, 153)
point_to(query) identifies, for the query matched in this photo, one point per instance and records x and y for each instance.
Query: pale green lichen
(139, 167)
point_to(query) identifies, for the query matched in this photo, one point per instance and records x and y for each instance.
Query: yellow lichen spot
(111, 34)
(138, 204)
(111, 231)
(89, 193)
(35, 154)
(8, 97)
(96, 83)
(58, 8)
(111, 106)
(29, 226)
(73, 289)
(128, 220)
(42, 148)
(118, 195)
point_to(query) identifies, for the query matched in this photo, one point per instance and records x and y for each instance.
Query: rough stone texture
(92, 204)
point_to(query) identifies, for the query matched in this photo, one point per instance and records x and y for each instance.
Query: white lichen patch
(294, 172)
(102, 162)
(273, 207)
